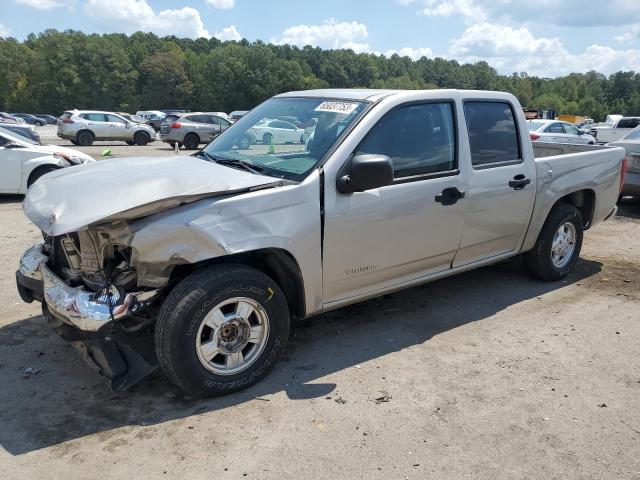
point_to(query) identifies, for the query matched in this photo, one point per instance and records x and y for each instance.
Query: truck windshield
(286, 137)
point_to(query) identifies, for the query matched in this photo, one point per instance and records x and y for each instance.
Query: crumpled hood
(72, 198)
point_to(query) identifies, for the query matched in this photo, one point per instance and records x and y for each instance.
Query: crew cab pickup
(618, 130)
(207, 258)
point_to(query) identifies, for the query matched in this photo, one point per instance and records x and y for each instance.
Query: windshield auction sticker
(336, 107)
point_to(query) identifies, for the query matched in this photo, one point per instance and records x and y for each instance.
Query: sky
(547, 38)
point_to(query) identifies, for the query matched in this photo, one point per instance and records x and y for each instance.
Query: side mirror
(365, 172)
(580, 132)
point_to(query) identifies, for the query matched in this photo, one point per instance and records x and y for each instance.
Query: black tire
(129, 142)
(141, 139)
(245, 142)
(185, 309)
(266, 139)
(39, 172)
(538, 261)
(191, 141)
(84, 138)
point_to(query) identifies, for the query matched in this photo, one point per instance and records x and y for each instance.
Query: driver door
(385, 237)
(119, 128)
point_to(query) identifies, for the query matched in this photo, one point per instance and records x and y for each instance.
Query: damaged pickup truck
(204, 260)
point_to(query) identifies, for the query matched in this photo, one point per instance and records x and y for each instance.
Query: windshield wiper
(250, 167)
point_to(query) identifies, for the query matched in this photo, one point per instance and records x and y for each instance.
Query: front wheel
(141, 139)
(221, 329)
(558, 246)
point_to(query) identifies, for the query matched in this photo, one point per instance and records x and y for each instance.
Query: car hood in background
(72, 198)
(65, 150)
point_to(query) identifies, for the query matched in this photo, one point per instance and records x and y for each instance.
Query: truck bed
(566, 168)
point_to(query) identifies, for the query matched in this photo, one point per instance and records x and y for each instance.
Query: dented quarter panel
(286, 218)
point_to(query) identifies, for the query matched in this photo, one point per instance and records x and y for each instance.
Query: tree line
(54, 71)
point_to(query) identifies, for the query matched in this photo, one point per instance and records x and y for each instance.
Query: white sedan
(23, 161)
(279, 131)
(554, 131)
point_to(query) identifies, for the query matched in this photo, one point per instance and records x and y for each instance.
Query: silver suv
(192, 129)
(83, 127)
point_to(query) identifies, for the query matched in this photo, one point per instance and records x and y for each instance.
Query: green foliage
(55, 71)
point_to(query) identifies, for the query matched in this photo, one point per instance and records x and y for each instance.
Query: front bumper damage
(89, 320)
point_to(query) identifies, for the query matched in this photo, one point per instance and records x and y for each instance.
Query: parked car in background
(631, 143)
(153, 118)
(237, 114)
(23, 161)
(23, 130)
(278, 131)
(50, 119)
(553, 131)
(427, 184)
(6, 118)
(83, 127)
(618, 130)
(192, 129)
(30, 119)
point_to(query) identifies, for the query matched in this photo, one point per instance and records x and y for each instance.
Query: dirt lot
(485, 375)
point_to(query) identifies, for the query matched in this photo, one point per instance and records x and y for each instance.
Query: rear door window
(493, 134)
(94, 117)
(197, 118)
(554, 128)
(419, 139)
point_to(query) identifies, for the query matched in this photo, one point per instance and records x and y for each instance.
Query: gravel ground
(488, 374)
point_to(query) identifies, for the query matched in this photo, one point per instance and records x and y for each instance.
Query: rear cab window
(493, 133)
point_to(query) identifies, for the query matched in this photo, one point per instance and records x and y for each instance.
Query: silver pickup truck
(207, 258)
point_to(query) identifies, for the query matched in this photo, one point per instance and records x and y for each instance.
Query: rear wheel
(84, 138)
(558, 246)
(141, 138)
(221, 329)
(191, 141)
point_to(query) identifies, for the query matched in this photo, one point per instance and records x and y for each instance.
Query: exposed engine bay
(89, 258)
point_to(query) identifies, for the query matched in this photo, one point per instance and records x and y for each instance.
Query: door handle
(449, 196)
(519, 182)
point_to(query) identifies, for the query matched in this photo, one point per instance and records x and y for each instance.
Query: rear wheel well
(278, 264)
(583, 200)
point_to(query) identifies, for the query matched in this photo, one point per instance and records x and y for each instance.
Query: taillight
(534, 136)
(67, 120)
(623, 173)
(176, 125)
